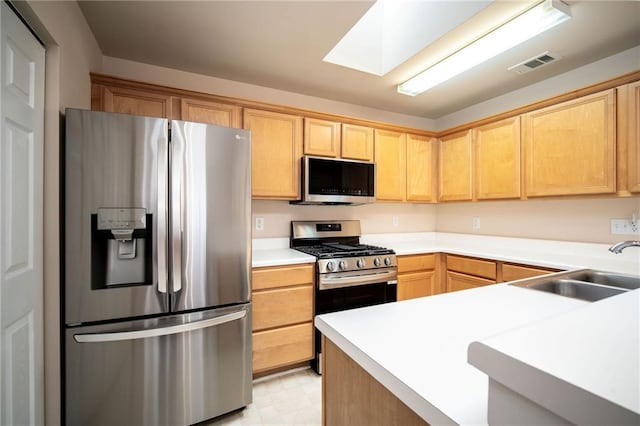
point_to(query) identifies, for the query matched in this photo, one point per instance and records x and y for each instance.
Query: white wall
(585, 220)
(596, 72)
(71, 52)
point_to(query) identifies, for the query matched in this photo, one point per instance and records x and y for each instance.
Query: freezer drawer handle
(155, 332)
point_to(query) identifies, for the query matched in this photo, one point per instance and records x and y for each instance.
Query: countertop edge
(559, 396)
(404, 393)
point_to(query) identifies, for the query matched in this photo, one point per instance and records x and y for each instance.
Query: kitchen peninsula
(418, 350)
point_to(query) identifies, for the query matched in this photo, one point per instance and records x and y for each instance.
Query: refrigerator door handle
(161, 226)
(155, 332)
(176, 160)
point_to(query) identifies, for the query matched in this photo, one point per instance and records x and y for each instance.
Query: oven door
(338, 294)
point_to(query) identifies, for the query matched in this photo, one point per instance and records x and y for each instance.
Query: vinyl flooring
(291, 398)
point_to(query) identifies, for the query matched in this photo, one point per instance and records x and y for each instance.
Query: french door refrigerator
(157, 267)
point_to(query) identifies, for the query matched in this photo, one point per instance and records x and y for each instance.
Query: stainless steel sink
(586, 284)
(577, 289)
(607, 278)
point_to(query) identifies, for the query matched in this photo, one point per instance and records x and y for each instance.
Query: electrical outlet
(625, 227)
(259, 223)
(395, 220)
(475, 222)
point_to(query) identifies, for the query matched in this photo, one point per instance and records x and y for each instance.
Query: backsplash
(375, 218)
(584, 220)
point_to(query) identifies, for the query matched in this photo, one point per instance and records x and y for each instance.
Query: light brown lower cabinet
(469, 272)
(512, 272)
(457, 281)
(282, 316)
(418, 276)
(351, 396)
(282, 346)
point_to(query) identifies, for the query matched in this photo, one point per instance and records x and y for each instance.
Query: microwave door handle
(157, 332)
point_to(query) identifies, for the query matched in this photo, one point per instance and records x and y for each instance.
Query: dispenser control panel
(110, 218)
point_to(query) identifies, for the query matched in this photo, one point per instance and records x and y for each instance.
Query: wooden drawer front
(471, 266)
(416, 285)
(417, 262)
(275, 308)
(518, 272)
(282, 346)
(457, 281)
(282, 276)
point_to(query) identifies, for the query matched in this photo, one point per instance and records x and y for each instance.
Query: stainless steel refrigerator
(157, 267)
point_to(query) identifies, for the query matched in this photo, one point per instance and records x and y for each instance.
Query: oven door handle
(328, 282)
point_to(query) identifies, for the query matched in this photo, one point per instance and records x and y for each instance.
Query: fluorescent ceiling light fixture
(540, 18)
(392, 31)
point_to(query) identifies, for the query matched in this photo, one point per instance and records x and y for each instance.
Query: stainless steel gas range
(348, 274)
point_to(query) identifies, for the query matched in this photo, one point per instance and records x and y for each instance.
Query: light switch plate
(259, 223)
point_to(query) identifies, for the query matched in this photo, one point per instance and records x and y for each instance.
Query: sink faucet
(617, 248)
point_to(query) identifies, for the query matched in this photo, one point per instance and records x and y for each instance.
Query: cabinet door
(276, 149)
(210, 112)
(357, 142)
(472, 266)
(321, 137)
(517, 272)
(283, 306)
(456, 281)
(570, 147)
(130, 101)
(497, 160)
(421, 166)
(282, 346)
(390, 165)
(416, 284)
(629, 134)
(455, 168)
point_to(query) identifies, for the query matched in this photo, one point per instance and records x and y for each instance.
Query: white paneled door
(21, 215)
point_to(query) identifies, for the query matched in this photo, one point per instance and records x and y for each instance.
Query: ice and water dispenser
(121, 247)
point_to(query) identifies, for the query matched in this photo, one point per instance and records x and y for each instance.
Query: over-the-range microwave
(337, 181)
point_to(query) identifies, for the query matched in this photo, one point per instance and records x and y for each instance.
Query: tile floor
(290, 398)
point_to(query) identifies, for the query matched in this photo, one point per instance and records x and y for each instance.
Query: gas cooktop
(335, 250)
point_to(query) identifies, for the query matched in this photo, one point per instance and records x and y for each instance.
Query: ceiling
(281, 44)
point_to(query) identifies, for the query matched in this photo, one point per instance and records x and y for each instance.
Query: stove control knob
(376, 261)
(360, 263)
(387, 261)
(331, 266)
(342, 265)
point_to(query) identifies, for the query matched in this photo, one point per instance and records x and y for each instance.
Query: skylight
(392, 31)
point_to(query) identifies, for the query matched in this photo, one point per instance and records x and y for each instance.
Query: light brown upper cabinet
(497, 159)
(390, 165)
(130, 101)
(455, 167)
(569, 148)
(321, 137)
(208, 112)
(421, 164)
(276, 149)
(629, 137)
(357, 142)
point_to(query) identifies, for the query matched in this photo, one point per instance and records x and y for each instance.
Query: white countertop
(276, 252)
(587, 359)
(418, 348)
(545, 253)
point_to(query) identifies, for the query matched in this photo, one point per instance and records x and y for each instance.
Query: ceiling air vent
(536, 62)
